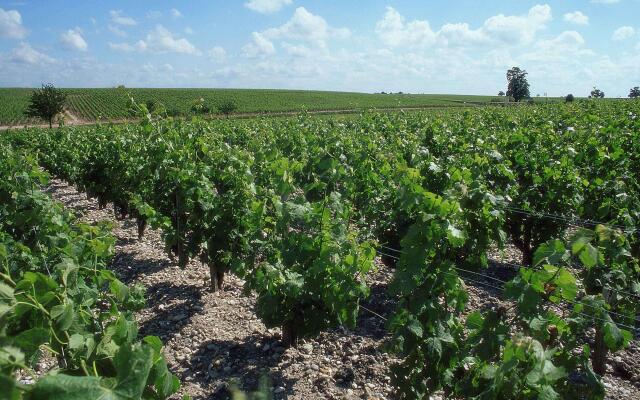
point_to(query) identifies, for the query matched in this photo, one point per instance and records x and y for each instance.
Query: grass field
(112, 104)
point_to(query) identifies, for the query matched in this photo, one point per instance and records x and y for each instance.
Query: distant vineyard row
(110, 104)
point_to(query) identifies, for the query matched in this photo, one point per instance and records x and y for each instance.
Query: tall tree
(597, 93)
(46, 103)
(518, 87)
(634, 93)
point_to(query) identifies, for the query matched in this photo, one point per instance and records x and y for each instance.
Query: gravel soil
(214, 340)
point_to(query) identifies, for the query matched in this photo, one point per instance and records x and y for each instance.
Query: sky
(414, 46)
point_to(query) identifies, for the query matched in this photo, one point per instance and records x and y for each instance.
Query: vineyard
(90, 105)
(302, 210)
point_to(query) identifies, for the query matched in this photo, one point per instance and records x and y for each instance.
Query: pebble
(178, 317)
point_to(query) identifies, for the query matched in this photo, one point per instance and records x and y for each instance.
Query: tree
(227, 107)
(634, 93)
(46, 103)
(597, 93)
(569, 98)
(518, 87)
(501, 93)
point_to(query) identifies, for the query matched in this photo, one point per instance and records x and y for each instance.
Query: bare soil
(214, 340)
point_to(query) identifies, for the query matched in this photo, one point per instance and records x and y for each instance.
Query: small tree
(501, 93)
(569, 98)
(634, 93)
(518, 87)
(46, 103)
(227, 107)
(596, 93)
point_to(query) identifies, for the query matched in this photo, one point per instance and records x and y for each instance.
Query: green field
(113, 104)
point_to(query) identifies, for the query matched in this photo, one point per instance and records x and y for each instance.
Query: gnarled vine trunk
(289, 335)
(599, 353)
(217, 277)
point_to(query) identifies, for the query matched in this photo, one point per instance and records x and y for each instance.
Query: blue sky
(426, 46)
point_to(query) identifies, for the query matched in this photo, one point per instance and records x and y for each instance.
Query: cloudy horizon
(409, 46)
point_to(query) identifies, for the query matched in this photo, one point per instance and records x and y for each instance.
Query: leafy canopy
(46, 103)
(518, 87)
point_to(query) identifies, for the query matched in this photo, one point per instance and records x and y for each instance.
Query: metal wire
(374, 313)
(504, 282)
(570, 221)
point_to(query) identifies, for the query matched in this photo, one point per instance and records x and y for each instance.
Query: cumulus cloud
(11, 25)
(460, 35)
(577, 18)
(116, 31)
(159, 40)
(566, 41)
(128, 48)
(393, 30)
(25, 54)
(117, 17)
(304, 25)
(259, 46)
(154, 14)
(267, 6)
(73, 40)
(518, 28)
(623, 33)
(217, 54)
(175, 13)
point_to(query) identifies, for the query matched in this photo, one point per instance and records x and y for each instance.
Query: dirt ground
(215, 341)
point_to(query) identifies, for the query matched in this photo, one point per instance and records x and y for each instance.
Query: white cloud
(11, 24)
(160, 40)
(154, 14)
(304, 25)
(567, 40)
(460, 35)
(518, 28)
(118, 18)
(393, 30)
(128, 48)
(189, 31)
(259, 46)
(576, 17)
(116, 31)
(168, 67)
(623, 33)
(175, 13)
(217, 54)
(26, 54)
(267, 6)
(73, 40)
